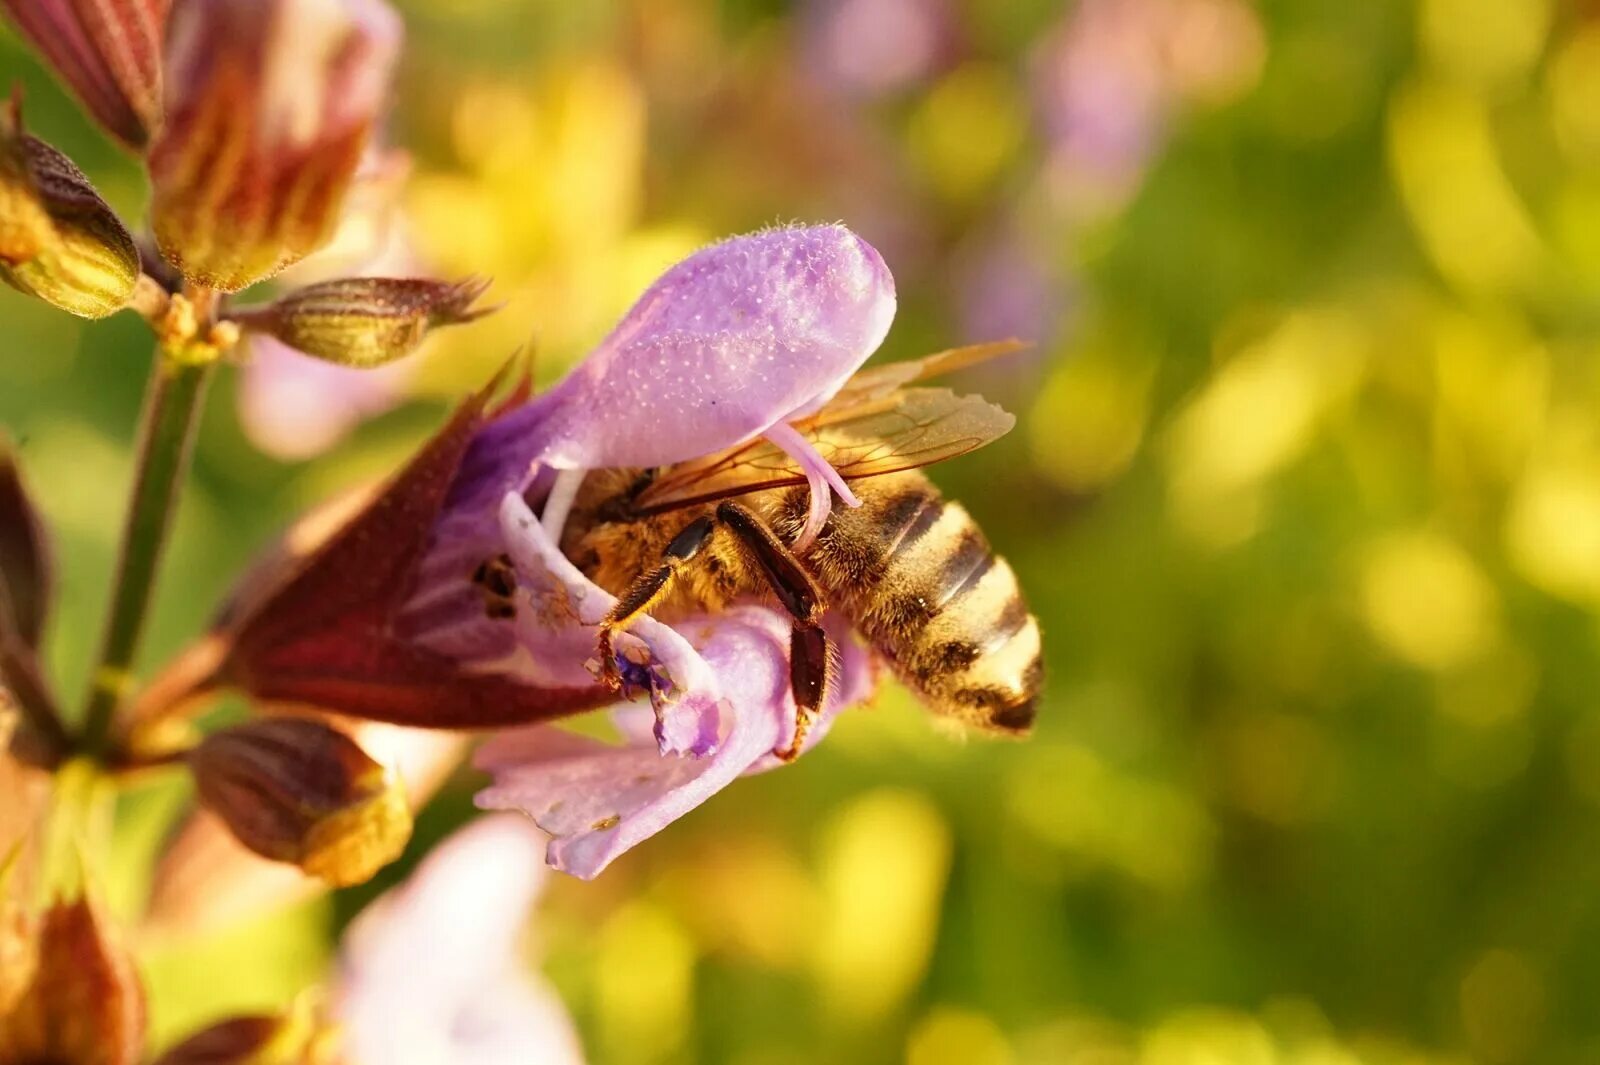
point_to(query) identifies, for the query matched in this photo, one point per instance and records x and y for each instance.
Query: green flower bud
(366, 321)
(298, 790)
(59, 240)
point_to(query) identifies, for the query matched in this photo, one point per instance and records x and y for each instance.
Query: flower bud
(298, 790)
(59, 240)
(269, 103)
(18, 945)
(300, 1037)
(109, 54)
(84, 1003)
(366, 321)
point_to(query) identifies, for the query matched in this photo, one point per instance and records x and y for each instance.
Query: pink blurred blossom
(434, 971)
(293, 407)
(874, 47)
(1112, 74)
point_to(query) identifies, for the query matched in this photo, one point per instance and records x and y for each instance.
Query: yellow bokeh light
(967, 129)
(643, 984)
(1260, 411)
(1448, 170)
(1574, 88)
(1483, 42)
(1090, 419)
(884, 862)
(957, 1037)
(1502, 1002)
(1068, 798)
(1209, 1037)
(1427, 602)
(1492, 385)
(1553, 526)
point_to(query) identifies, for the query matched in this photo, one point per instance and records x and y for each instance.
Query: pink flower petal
(557, 635)
(598, 800)
(737, 337)
(432, 971)
(294, 407)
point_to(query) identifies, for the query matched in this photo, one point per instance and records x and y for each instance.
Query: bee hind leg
(810, 653)
(647, 590)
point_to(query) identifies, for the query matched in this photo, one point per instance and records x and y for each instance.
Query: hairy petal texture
(269, 105)
(108, 52)
(734, 339)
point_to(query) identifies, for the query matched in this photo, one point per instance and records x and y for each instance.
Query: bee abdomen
(947, 611)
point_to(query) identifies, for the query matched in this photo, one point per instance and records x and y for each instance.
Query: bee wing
(873, 434)
(879, 381)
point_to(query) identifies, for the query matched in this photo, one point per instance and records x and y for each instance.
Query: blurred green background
(1305, 492)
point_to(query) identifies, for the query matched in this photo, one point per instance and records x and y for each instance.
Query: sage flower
(84, 1001)
(733, 343)
(109, 55)
(269, 104)
(382, 616)
(432, 972)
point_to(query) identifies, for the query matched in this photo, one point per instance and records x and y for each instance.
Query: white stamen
(559, 502)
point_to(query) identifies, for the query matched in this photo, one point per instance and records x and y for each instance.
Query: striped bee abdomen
(919, 581)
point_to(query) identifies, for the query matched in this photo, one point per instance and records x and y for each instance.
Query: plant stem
(172, 402)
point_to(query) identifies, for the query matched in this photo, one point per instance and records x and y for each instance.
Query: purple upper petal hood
(733, 339)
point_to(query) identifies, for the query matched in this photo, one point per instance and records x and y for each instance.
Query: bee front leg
(646, 591)
(810, 654)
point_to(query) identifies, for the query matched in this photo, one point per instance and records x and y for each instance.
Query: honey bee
(910, 571)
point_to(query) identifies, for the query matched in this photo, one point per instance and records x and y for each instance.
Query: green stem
(172, 403)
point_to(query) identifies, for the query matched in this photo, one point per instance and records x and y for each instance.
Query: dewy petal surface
(733, 339)
(432, 973)
(598, 799)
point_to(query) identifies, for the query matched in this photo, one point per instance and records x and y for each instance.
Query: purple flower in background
(433, 971)
(1112, 73)
(1004, 286)
(295, 408)
(1102, 99)
(872, 47)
